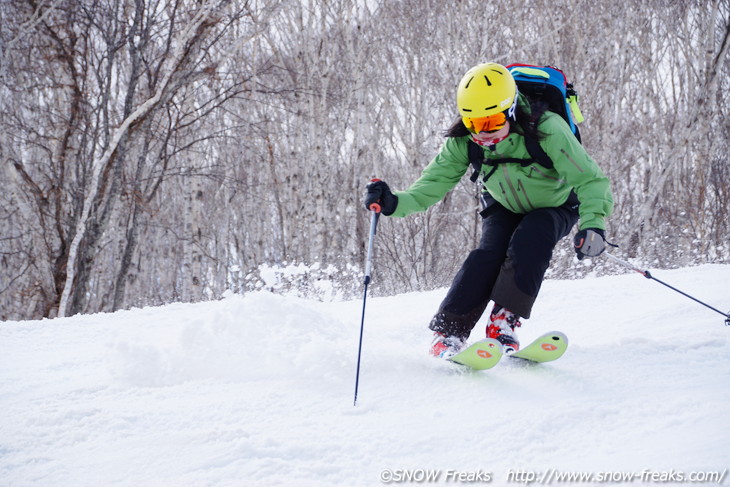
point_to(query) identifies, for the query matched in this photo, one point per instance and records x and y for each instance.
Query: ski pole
(375, 209)
(648, 275)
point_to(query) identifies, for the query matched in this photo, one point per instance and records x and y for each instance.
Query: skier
(527, 208)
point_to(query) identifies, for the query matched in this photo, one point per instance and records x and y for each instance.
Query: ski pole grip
(375, 206)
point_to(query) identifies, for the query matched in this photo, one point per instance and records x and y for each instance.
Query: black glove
(379, 192)
(590, 242)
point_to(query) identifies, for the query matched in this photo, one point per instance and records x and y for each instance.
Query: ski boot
(501, 327)
(446, 346)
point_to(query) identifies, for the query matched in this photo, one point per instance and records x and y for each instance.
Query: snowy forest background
(169, 150)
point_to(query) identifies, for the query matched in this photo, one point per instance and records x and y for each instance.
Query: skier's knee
(478, 259)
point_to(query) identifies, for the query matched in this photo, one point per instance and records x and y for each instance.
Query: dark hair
(527, 122)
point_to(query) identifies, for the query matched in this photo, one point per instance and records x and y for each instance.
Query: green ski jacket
(517, 188)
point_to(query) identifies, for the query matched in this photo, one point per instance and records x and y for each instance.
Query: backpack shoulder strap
(537, 154)
(476, 159)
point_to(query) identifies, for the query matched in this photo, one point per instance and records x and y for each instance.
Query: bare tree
(116, 73)
(166, 150)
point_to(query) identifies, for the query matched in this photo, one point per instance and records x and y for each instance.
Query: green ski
(548, 347)
(480, 355)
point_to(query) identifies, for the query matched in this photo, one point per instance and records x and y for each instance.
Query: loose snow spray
(648, 275)
(375, 213)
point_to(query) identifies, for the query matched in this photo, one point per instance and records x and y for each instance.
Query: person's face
(486, 129)
(486, 136)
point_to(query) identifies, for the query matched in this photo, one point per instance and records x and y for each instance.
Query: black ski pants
(508, 267)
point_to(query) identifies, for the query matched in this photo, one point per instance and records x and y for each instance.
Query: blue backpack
(538, 83)
(550, 85)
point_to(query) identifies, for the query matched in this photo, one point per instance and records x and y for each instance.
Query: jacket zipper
(507, 179)
(546, 176)
(572, 161)
(508, 203)
(521, 187)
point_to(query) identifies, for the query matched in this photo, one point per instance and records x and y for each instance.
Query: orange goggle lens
(491, 123)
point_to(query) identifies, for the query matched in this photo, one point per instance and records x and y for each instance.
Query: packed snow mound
(258, 389)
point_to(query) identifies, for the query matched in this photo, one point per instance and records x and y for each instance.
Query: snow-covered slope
(257, 390)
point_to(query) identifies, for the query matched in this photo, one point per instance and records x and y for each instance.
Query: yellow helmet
(486, 89)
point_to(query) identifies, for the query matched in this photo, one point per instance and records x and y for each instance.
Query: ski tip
(487, 346)
(546, 348)
(481, 355)
(557, 336)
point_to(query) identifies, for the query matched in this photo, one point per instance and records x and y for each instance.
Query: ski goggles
(489, 124)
